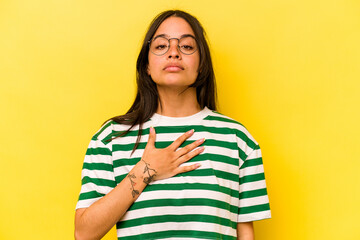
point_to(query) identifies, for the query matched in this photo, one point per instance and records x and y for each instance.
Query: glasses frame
(178, 46)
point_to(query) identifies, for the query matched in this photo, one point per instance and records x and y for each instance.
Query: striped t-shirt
(206, 203)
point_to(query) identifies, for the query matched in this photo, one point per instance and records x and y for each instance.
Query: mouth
(173, 68)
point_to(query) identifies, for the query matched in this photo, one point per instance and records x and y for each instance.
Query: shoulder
(232, 126)
(108, 130)
(220, 118)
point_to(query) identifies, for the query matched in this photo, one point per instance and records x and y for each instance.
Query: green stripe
(252, 178)
(191, 186)
(98, 166)
(99, 181)
(253, 209)
(125, 161)
(98, 151)
(222, 119)
(164, 144)
(246, 139)
(209, 172)
(178, 218)
(184, 202)
(179, 233)
(186, 186)
(95, 137)
(197, 128)
(253, 193)
(252, 162)
(242, 155)
(202, 157)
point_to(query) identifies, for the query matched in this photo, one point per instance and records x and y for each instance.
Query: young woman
(172, 167)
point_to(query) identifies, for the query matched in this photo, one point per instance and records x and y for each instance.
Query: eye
(160, 47)
(187, 47)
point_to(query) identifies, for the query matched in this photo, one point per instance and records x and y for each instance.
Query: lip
(173, 67)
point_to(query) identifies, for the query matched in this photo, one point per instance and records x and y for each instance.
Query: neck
(176, 103)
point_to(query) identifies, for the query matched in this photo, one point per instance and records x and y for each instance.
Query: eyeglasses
(161, 45)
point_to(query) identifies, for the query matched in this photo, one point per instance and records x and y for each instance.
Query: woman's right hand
(95, 221)
(165, 163)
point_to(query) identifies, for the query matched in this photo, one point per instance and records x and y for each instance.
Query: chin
(175, 82)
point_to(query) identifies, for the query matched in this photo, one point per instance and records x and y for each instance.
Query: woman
(151, 171)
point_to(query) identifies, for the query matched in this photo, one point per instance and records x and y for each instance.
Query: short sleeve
(97, 176)
(254, 201)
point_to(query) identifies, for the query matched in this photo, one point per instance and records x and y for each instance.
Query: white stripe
(230, 125)
(98, 159)
(199, 179)
(251, 170)
(254, 154)
(206, 164)
(252, 186)
(159, 227)
(88, 187)
(220, 166)
(186, 194)
(210, 149)
(175, 210)
(165, 137)
(170, 137)
(222, 151)
(254, 216)
(101, 174)
(246, 202)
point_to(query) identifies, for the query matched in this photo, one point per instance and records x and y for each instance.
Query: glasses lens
(187, 45)
(159, 46)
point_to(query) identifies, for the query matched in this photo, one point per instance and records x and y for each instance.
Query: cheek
(153, 65)
(195, 64)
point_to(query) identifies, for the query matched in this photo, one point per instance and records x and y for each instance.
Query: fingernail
(152, 130)
(201, 140)
(197, 165)
(201, 149)
(190, 132)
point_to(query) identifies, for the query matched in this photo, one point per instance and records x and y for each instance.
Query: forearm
(95, 221)
(245, 231)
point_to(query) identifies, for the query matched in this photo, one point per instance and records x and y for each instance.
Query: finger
(190, 155)
(187, 168)
(181, 139)
(152, 137)
(189, 147)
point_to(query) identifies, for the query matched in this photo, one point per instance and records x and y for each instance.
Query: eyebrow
(167, 36)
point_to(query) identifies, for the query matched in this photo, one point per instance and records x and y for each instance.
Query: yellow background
(288, 70)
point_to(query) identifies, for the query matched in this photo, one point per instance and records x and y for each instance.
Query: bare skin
(245, 231)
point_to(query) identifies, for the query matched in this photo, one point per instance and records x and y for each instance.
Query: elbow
(84, 235)
(81, 234)
(78, 235)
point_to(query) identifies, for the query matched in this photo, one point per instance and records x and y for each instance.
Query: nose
(174, 51)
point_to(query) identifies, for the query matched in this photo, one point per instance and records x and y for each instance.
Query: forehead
(174, 27)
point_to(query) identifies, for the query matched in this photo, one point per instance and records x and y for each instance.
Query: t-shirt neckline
(158, 119)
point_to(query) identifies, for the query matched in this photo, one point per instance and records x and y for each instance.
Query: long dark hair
(147, 97)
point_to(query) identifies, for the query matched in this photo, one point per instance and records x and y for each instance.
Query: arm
(245, 231)
(95, 221)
